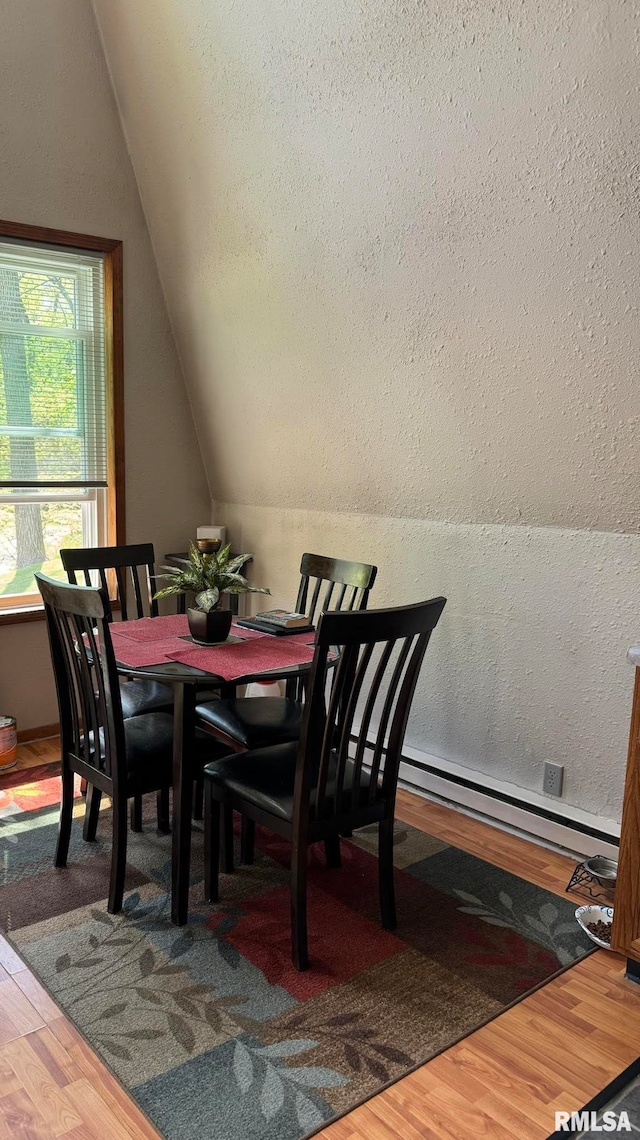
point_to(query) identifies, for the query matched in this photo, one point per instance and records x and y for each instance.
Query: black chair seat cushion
(149, 750)
(139, 697)
(265, 778)
(255, 722)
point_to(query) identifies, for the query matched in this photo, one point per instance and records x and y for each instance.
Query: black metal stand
(582, 882)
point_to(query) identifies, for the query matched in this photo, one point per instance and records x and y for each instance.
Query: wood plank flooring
(553, 1051)
(51, 1082)
(34, 753)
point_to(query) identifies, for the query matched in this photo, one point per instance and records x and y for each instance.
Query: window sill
(18, 614)
(21, 614)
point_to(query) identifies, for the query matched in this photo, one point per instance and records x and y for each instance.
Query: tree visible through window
(54, 396)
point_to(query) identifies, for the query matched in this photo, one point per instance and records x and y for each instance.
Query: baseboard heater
(589, 839)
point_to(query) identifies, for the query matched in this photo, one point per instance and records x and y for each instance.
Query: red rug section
(263, 935)
(33, 793)
(346, 900)
(16, 776)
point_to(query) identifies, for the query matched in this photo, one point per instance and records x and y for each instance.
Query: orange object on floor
(8, 743)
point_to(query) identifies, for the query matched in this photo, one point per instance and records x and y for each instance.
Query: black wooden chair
(315, 790)
(126, 574)
(255, 722)
(122, 758)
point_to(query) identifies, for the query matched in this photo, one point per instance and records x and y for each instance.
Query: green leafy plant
(208, 576)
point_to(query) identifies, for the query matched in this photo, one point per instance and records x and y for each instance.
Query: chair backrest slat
(343, 590)
(66, 630)
(79, 646)
(381, 653)
(105, 722)
(387, 711)
(343, 671)
(314, 600)
(402, 710)
(85, 674)
(134, 561)
(137, 592)
(367, 713)
(121, 579)
(326, 601)
(344, 737)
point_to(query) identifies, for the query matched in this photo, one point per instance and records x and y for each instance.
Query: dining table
(162, 649)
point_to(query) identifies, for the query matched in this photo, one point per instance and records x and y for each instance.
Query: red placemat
(152, 629)
(175, 625)
(245, 634)
(244, 658)
(138, 653)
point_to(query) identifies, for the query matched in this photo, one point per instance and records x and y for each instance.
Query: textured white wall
(399, 246)
(65, 165)
(528, 662)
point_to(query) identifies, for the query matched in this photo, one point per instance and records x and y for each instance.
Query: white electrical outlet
(553, 779)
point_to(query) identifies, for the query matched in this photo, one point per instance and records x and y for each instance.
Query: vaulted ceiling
(398, 242)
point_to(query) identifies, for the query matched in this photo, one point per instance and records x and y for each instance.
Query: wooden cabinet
(625, 935)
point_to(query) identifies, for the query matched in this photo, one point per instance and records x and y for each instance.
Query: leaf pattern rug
(209, 1026)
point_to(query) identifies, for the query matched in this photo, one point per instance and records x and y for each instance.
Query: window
(61, 476)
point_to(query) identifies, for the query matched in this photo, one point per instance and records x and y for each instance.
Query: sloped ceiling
(399, 247)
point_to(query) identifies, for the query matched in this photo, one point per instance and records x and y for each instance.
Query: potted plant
(208, 576)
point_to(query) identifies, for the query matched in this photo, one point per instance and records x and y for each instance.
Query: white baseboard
(563, 831)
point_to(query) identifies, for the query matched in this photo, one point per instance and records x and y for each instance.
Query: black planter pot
(209, 628)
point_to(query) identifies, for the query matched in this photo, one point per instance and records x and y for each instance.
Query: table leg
(183, 748)
(228, 692)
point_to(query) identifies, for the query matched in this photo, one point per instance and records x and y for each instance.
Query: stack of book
(278, 621)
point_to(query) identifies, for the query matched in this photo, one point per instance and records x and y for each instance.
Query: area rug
(15, 777)
(210, 1027)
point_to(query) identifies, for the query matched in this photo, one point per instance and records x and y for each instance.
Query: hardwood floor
(36, 752)
(553, 1051)
(51, 1082)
